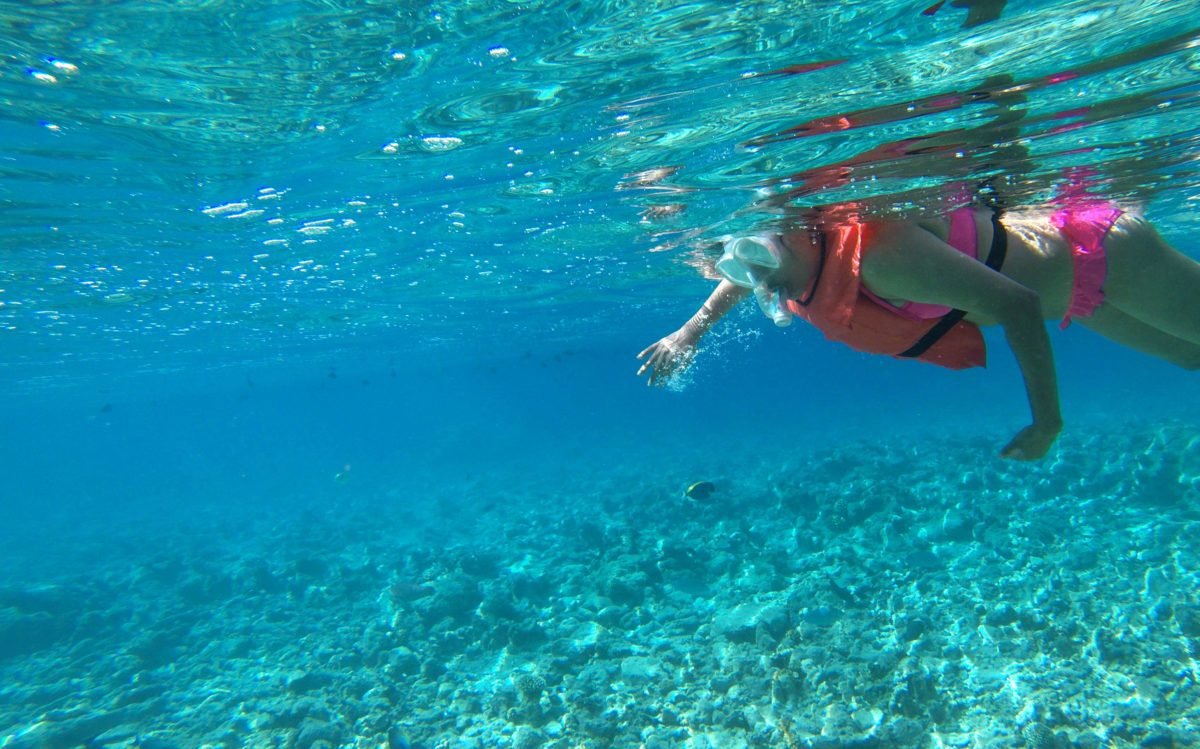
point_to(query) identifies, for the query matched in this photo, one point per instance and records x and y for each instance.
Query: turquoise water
(317, 337)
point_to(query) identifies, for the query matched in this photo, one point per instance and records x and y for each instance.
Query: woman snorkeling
(921, 289)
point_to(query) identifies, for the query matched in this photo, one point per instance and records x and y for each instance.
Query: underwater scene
(325, 425)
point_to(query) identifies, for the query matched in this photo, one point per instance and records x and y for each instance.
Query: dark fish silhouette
(978, 11)
(807, 67)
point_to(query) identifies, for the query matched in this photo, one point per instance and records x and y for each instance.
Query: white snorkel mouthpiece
(772, 305)
(748, 262)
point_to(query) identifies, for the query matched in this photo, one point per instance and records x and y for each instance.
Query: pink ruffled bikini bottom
(1085, 224)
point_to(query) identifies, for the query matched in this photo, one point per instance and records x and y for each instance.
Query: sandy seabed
(885, 594)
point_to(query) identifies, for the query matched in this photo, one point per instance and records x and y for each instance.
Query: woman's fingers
(1030, 444)
(652, 364)
(662, 359)
(652, 368)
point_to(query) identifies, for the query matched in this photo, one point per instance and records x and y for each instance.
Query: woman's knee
(1184, 355)
(1190, 362)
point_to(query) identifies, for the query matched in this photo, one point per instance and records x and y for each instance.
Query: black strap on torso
(807, 299)
(995, 261)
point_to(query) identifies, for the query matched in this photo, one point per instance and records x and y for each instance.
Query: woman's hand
(668, 356)
(672, 354)
(1032, 442)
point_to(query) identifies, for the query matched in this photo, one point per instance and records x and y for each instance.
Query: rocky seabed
(870, 595)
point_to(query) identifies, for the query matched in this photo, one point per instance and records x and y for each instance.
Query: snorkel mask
(747, 262)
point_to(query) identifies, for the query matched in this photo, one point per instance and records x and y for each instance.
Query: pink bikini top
(962, 238)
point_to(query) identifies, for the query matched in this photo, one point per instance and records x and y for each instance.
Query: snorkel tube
(770, 301)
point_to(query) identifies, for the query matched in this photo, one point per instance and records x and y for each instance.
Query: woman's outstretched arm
(909, 263)
(672, 353)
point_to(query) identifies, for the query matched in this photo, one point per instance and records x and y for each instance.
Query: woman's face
(795, 265)
(783, 279)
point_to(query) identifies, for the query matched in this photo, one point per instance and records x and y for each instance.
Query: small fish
(700, 491)
(840, 592)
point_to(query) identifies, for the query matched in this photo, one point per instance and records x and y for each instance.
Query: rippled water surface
(232, 180)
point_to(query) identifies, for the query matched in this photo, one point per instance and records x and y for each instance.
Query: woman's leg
(1120, 328)
(1151, 281)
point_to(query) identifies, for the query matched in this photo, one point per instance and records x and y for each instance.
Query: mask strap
(812, 290)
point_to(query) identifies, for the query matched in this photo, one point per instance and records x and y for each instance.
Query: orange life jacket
(840, 310)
